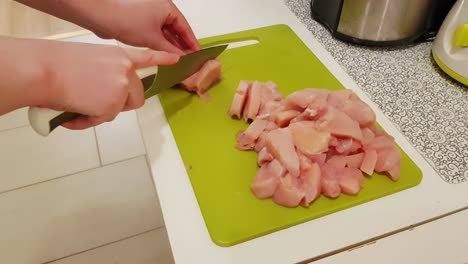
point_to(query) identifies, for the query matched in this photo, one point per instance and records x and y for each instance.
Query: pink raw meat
(266, 180)
(261, 142)
(369, 161)
(395, 171)
(288, 192)
(254, 99)
(350, 180)
(387, 159)
(312, 142)
(279, 143)
(338, 99)
(269, 108)
(367, 135)
(246, 140)
(240, 97)
(359, 111)
(319, 159)
(207, 76)
(264, 157)
(379, 143)
(355, 160)
(329, 181)
(311, 185)
(271, 92)
(347, 145)
(300, 100)
(337, 161)
(308, 139)
(282, 118)
(340, 124)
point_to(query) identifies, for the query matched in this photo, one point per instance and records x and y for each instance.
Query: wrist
(24, 80)
(41, 75)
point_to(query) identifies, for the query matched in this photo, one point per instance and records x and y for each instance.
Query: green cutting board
(205, 135)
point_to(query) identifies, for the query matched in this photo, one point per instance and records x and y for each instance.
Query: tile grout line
(13, 128)
(97, 146)
(105, 244)
(70, 174)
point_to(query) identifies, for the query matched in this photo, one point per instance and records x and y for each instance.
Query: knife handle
(44, 120)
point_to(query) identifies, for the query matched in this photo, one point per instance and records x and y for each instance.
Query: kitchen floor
(76, 196)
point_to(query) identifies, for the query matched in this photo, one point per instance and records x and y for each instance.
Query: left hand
(155, 24)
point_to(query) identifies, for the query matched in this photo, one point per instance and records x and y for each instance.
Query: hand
(156, 24)
(97, 81)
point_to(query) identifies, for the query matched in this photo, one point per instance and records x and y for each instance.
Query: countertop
(105, 208)
(187, 233)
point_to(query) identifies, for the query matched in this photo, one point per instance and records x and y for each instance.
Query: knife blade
(154, 79)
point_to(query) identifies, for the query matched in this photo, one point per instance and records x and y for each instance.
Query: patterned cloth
(426, 105)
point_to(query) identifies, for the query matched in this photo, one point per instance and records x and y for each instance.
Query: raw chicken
(238, 102)
(267, 178)
(279, 143)
(288, 192)
(311, 142)
(311, 184)
(246, 139)
(308, 139)
(201, 81)
(253, 101)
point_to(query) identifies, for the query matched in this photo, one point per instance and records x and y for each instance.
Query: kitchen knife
(155, 79)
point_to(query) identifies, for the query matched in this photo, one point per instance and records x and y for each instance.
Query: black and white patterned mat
(428, 107)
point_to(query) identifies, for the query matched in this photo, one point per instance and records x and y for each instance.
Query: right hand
(96, 81)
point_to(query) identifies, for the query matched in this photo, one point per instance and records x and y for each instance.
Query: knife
(154, 79)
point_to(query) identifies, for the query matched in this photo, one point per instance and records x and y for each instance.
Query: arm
(97, 81)
(23, 80)
(156, 24)
(81, 12)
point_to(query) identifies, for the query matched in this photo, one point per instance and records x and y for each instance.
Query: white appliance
(450, 50)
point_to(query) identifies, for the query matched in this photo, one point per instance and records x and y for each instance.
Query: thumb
(142, 58)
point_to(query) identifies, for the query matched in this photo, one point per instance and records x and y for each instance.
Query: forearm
(84, 13)
(24, 80)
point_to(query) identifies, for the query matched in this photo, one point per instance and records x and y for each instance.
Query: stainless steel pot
(381, 22)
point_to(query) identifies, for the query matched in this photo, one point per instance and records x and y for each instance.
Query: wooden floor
(21, 21)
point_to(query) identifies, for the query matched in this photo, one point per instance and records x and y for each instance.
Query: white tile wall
(27, 158)
(72, 214)
(14, 119)
(148, 248)
(120, 139)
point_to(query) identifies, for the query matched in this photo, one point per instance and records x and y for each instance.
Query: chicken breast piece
(254, 99)
(209, 74)
(308, 139)
(279, 143)
(288, 192)
(238, 103)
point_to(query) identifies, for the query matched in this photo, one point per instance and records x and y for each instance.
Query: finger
(146, 58)
(183, 29)
(135, 97)
(159, 42)
(173, 38)
(83, 122)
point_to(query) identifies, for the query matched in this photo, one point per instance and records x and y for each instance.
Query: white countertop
(188, 235)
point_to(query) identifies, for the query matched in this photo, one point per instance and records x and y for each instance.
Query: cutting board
(205, 135)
